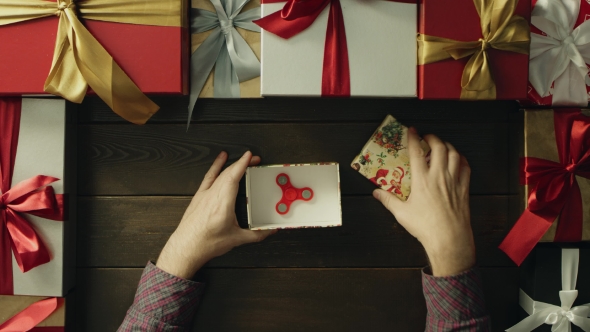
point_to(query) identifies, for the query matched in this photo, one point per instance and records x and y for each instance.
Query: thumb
(248, 236)
(389, 200)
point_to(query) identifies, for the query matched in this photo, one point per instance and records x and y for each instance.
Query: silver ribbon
(560, 317)
(224, 48)
(560, 57)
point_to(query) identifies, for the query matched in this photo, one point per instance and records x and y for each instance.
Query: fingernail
(221, 154)
(413, 130)
(376, 194)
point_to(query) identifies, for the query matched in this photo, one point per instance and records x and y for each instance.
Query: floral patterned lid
(385, 161)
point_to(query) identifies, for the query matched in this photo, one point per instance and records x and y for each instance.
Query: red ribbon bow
(553, 188)
(298, 15)
(28, 319)
(33, 196)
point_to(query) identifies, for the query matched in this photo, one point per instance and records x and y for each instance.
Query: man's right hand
(437, 211)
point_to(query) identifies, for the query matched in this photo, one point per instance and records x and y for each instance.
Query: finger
(213, 172)
(236, 170)
(249, 236)
(389, 200)
(255, 161)
(438, 154)
(454, 161)
(465, 173)
(418, 165)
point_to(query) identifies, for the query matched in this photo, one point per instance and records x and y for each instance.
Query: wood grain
(167, 160)
(127, 231)
(175, 110)
(294, 299)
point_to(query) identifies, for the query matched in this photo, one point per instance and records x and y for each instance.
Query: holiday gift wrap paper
(381, 42)
(385, 161)
(46, 146)
(539, 138)
(248, 89)
(12, 305)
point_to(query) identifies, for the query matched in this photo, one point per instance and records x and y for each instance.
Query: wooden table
(135, 182)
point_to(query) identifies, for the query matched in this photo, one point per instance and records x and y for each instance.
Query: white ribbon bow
(560, 317)
(562, 54)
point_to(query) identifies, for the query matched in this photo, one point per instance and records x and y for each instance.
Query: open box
(321, 208)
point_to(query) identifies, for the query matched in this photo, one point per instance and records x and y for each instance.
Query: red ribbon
(298, 15)
(34, 314)
(33, 196)
(553, 188)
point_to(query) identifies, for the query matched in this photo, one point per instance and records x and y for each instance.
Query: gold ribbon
(500, 30)
(79, 60)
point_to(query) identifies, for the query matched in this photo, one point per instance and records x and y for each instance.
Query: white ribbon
(224, 48)
(560, 317)
(562, 54)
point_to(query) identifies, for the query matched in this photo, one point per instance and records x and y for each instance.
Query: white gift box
(264, 193)
(381, 41)
(47, 146)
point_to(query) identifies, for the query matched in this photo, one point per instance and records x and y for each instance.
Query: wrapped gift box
(555, 179)
(549, 270)
(154, 57)
(573, 84)
(379, 67)
(249, 88)
(385, 161)
(46, 146)
(10, 306)
(540, 142)
(458, 20)
(318, 207)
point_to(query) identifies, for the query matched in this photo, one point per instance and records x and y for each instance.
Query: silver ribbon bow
(225, 48)
(560, 57)
(560, 317)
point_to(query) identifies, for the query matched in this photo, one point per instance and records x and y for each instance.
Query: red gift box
(156, 58)
(533, 96)
(459, 20)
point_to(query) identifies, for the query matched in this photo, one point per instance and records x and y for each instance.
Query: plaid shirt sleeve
(163, 302)
(455, 303)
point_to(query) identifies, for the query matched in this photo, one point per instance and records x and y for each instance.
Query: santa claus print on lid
(384, 160)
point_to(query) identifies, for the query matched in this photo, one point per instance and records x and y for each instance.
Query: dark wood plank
(294, 299)
(166, 160)
(127, 231)
(175, 110)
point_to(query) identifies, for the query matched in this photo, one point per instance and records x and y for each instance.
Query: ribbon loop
(501, 30)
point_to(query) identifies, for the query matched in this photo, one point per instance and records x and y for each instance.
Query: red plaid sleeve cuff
(455, 303)
(163, 302)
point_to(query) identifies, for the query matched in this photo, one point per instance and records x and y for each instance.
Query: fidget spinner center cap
(290, 194)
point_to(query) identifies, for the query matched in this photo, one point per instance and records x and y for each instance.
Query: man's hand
(437, 211)
(209, 227)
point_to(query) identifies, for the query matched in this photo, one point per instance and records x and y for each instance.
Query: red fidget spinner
(290, 194)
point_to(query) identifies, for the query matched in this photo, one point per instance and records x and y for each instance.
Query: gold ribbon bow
(500, 30)
(79, 60)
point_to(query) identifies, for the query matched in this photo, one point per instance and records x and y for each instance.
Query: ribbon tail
(6, 278)
(524, 235)
(571, 222)
(336, 70)
(202, 62)
(570, 88)
(225, 83)
(100, 71)
(32, 315)
(29, 250)
(245, 63)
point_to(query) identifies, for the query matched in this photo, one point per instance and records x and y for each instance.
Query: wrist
(450, 259)
(181, 260)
